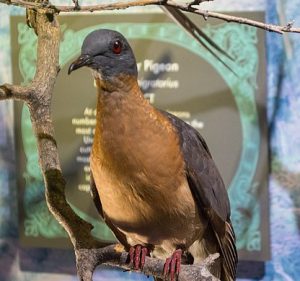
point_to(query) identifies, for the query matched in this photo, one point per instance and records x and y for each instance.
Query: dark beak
(83, 60)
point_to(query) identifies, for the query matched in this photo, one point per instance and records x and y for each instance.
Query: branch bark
(8, 91)
(115, 256)
(39, 103)
(187, 7)
(38, 95)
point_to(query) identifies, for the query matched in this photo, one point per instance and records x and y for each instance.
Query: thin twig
(188, 7)
(21, 3)
(108, 6)
(228, 18)
(8, 91)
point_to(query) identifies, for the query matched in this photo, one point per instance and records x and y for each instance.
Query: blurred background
(250, 121)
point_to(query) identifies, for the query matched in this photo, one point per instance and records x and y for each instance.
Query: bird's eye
(117, 47)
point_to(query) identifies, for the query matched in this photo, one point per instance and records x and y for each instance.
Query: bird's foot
(137, 255)
(172, 265)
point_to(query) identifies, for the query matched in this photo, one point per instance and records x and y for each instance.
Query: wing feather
(209, 191)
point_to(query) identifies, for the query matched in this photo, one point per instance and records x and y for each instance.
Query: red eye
(117, 47)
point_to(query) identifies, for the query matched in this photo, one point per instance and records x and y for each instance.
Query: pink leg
(137, 255)
(172, 265)
(145, 252)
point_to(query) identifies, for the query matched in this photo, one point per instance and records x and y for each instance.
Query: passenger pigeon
(153, 179)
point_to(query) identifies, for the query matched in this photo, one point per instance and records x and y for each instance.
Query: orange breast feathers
(138, 168)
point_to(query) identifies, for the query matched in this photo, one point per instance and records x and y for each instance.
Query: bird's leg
(172, 265)
(137, 255)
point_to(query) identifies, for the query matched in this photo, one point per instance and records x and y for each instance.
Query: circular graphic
(217, 102)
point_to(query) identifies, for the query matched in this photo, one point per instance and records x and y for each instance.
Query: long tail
(193, 30)
(228, 253)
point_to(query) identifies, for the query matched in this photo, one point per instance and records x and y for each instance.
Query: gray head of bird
(108, 54)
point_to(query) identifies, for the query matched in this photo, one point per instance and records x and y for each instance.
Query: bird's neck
(118, 98)
(125, 83)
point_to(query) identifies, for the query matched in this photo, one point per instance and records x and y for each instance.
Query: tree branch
(187, 7)
(14, 92)
(115, 255)
(228, 18)
(39, 104)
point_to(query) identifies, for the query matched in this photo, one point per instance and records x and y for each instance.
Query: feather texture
(209, 192)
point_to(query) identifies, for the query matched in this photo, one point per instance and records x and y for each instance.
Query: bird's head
(108, 54)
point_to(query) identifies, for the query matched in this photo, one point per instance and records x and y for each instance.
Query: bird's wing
(193, 30)
(208, 190)
(95, 196)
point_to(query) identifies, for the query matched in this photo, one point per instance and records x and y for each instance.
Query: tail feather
(197, 34)
(228, 253)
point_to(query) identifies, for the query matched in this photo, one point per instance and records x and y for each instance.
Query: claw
(172, 265)
(137, 256)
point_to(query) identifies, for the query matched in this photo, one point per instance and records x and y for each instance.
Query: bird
(153, 179)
